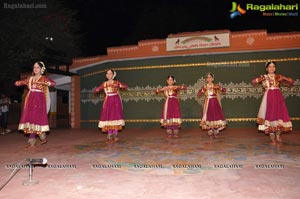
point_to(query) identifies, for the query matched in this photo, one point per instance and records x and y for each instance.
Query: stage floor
(240, 164)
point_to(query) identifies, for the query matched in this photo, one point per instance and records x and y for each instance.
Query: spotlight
(49, 38)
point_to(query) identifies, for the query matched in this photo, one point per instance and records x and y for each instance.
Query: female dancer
(273, 117)
(111, 118)
(213, 119)
(171, 116)
(34, 119)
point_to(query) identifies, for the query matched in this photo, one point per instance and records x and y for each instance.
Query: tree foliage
(31, 34)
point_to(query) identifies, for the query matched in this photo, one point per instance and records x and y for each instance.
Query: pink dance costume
(171, 115)
(273, 115)
(34, 118)
(212, 118)
(111, 118)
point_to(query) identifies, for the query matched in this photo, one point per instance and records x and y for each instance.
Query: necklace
(36, 78)
(271, 79)
(210, 85)
(271, 76)
(110, 82)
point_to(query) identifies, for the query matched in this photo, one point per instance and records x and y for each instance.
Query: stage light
(37, 161)
(49, 38)
(33, 161)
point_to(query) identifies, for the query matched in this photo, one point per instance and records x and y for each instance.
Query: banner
(198, 41)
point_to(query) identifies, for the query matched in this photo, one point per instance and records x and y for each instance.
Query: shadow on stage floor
(144, 164)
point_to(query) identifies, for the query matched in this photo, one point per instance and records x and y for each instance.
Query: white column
(53, 109)
(53, 98)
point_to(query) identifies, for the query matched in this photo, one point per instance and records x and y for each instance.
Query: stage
(240, 164)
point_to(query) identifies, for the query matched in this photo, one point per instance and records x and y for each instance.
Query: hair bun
(42, 63)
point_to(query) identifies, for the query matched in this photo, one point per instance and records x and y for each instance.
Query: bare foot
(29, 147)
(116, 139)
(109, 141)
(278, 139)
(43, 142)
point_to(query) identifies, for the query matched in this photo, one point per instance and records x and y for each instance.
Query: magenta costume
(212, 115)
(273, 114)
(34, 118)
(111, 117)
(171, 115)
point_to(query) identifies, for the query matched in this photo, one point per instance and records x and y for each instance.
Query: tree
(32, 31)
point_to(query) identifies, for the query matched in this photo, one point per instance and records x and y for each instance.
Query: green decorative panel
(142, 107)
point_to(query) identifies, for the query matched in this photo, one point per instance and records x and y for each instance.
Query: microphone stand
(30, 181)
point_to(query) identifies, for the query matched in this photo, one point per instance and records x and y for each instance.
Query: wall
(234, 70)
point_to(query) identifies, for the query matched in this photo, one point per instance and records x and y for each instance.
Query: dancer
(213, 119)
(273, 117)
(171, 115)
(34, 118)
(111, 118)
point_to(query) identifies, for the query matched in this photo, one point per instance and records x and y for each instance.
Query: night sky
(120, 22)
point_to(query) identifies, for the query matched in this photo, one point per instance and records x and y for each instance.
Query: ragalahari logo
(236, 10)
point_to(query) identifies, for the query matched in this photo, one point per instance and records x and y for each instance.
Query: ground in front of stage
(144, 164)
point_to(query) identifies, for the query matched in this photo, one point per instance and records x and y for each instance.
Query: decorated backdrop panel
(142, 107)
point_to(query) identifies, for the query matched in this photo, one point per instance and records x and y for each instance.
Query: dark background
(116, 22)
(83, 28)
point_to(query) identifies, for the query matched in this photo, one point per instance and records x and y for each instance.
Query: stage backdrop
(234, 71)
